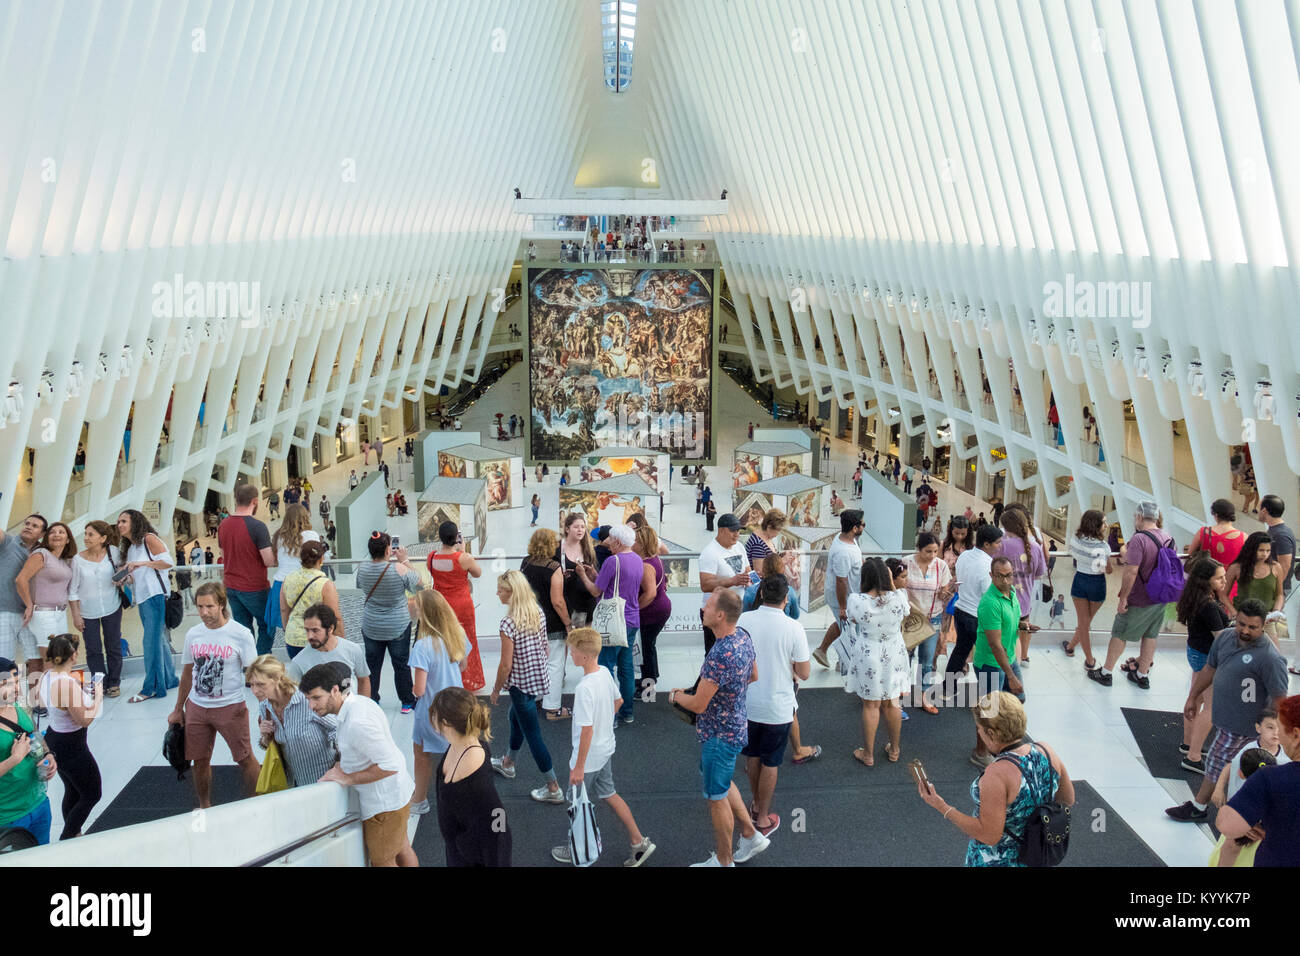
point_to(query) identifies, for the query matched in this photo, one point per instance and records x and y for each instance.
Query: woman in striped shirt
(305, 739)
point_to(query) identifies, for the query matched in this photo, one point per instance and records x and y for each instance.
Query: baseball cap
(729, 521)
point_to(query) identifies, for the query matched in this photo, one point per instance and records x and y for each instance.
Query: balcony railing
(1186, 498)
(77, 501)
(1136, 474)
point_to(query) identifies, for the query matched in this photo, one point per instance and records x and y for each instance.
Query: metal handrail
(302, 841)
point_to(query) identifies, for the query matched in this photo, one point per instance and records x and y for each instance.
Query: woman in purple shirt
(1028, 564)
(625, 571)
(655, 610)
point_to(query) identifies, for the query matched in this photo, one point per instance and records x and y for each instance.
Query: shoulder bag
(584, 835)
(307, 587)
(609, 616)
(1047, 831)
(916, 628)
(174, 611)
(272, 777)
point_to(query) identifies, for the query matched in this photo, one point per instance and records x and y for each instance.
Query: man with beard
(324, 645)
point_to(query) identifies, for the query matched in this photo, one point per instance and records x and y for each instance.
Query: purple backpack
(1164, 584)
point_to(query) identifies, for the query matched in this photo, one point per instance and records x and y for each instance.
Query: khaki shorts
(385, 834)
(1139, 623)
(202, 724)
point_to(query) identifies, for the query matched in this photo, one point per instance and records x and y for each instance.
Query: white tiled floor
(1078, 717)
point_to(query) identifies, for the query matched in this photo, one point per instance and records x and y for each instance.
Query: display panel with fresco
(804, 508)
(677, 572)
(788, 465)
(431, 515)
(497, 474)
(451, 466)
(620, 356)
(602, 507)
(746, 470)
(480, 521)
(751, 509)
(645, 467)
(817, 564)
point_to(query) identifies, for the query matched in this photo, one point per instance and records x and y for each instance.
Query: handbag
(609, 617)
(175, 607)
(584, 835)
(272, 777)
(1047, 831)
(916, 628)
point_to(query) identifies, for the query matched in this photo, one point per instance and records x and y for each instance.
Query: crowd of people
(961, 600)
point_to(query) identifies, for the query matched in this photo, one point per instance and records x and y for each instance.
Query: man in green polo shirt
(995, 643)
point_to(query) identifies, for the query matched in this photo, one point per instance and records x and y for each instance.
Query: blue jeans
(534, 516)
(249, 609)
(997, 677)
(37, 823)
(524, 726)
(925, 650)
(159, 671)
(621, 667)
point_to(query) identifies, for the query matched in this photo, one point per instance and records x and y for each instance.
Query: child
(595, 702)
(1265, 751)
(1058, 610)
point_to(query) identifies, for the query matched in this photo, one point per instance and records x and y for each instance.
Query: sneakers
(544, 794)
(772, 827)
(1024, 662)
(639, 853)
(1187, 812)
(562, 854)
(711, 861)
(408, 708)
(819, 656)
(751, 847)
(1195, 766)
(498, 764)
(1104, 680)
(902, 713)
(419, 809)
(1184, 749)
(627, 720)
(1140, 679)
(40, 711)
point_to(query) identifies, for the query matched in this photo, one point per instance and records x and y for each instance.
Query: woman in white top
(145, 557)
(929, 585)
(877, 657)
(287, 541)
(43, 585)
(97, 604)
(1092, 562)
(72, 707)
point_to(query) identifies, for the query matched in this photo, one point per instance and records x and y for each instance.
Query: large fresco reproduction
(431, 516)
(480, 521)
(451, 466)
(788, 465)
(751, 509)
(745, 470)
(804, 508)
(645, 467)
(497, 474)
(620, 357)
(603, 507)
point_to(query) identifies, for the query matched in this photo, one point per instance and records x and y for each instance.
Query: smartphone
(918, 773)
(397, 542)
(121, 576)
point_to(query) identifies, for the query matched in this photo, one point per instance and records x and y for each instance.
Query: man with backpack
(1153, 577)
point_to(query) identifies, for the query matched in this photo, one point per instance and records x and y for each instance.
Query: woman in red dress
(451, 569)
(1223, 541)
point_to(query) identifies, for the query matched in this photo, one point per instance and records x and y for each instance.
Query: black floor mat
(154, 793)
(834, 811)
(1158, 734)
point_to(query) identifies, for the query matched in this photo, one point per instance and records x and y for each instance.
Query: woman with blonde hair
(523, 672)
(437, 656)
(1022, 777)
(285, 716)
(546, 579)
(287, 543)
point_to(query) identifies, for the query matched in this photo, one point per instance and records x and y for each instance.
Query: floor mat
(154, 793)
(1158, 734)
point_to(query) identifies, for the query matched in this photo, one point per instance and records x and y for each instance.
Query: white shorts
(15, 638)
(45, 624)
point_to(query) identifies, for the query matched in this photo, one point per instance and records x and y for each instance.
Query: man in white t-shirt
(595, 701)
(211, 697)
(324, 645)
(781, 651)
(724, 564)
(368, 760)
(973, 575)
(843, 576)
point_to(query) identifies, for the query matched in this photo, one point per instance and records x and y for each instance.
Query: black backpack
(174, 749)
(1047, 831)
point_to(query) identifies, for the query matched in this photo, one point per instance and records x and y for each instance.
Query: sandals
(816, 752)
(562, 714)
(930, 709)
(1065, 646)
(1090, 665)
(136, 698)
(893, 755)
(864, 758)
(1293, 670)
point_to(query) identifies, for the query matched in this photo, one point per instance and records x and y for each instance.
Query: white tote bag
(609, 617)
(584, 835)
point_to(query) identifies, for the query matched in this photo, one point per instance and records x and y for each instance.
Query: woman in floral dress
(877, 670)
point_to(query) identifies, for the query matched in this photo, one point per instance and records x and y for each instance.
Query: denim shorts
(1088, 587)
(717, 767)
(1196, 659)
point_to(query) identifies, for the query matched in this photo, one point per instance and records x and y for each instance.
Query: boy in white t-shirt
(595, 701)
(1234, 775)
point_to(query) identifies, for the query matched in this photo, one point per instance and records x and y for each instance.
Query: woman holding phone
(451, 568)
